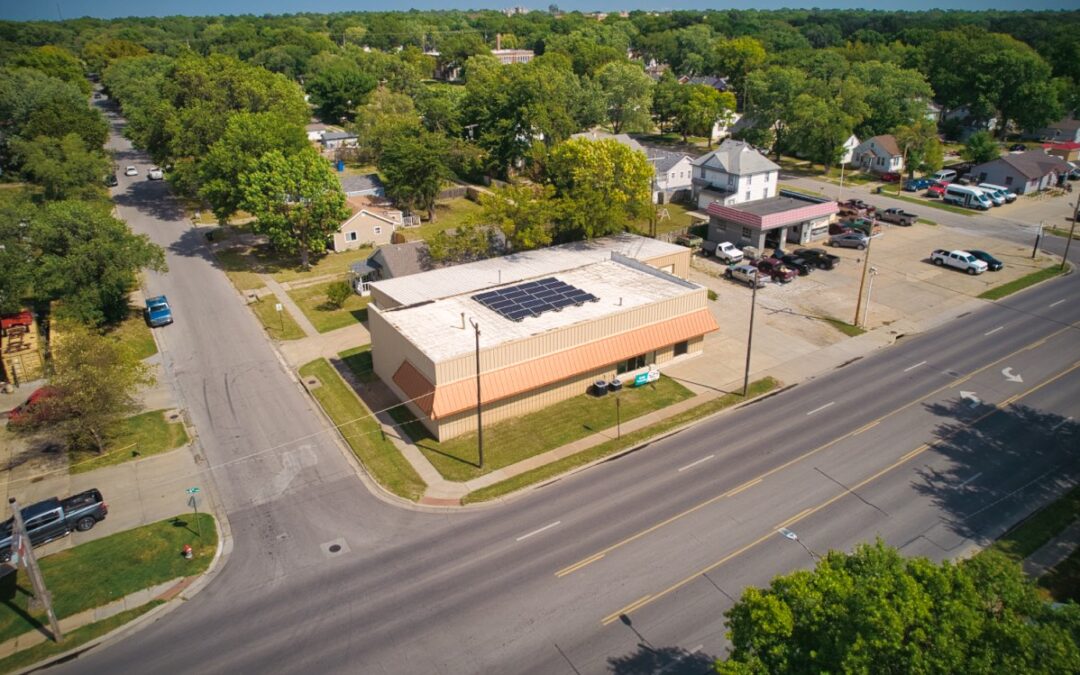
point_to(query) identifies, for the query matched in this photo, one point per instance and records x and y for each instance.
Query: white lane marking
(693, 464)
(1060, 424)
(1055, 304)
(821, 408)
(970, 479)
(920, 363)
(991, 332)
(546, 527)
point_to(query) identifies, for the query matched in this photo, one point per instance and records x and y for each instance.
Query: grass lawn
(513, 440)
(238, 267)
(678, 219)
(134, 438)
(1064, 232)
(932, 203)
(280, 325)
(843, 326)
(135, 334)
(800, 190)
(1010, 287)
(358, 360)
(73, 639)
(312, 301)
(547, 471)
(337, 264)
(362, 432)
(107, 569)
(449, 214)
(244, 265)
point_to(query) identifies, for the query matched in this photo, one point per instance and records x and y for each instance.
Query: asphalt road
(667, 536)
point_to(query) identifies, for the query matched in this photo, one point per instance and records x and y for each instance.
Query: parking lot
(908, 292)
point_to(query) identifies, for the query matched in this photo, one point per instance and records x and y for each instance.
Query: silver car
(850, 240)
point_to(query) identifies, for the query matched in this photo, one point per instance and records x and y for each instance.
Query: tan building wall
(677, 264)
(362, 230)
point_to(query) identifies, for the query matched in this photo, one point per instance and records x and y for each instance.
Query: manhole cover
(335, 548)
(312, 382)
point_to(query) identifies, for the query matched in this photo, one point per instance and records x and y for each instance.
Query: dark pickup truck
(898, 217)
(818, 257)
(55, 518)
(857, 208)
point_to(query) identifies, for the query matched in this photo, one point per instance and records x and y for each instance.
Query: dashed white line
(1060, 424)
(1055, 304)
(970, 479)
(994, 330)
(693, 464)
(821, 408)
(920, 363)
(546, 527)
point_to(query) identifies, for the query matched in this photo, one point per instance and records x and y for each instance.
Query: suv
(776, 269)
(748, 274)
(155, 173)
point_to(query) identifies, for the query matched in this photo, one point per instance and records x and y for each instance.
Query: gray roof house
(361, 185)
(717, 83)
(671, 170)
(1022, 172)
(338, 139)
(733, 173)
(1065, 131)
(880, 154)
(389, 262)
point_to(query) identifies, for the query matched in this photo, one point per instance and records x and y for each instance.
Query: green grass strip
(843, 326)
(606, 448)
(280, 325)
(363, 432)
(133, 438)
(1010, 287)
(1037, 529)
(932, 204)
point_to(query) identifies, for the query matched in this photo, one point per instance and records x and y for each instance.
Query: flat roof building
(551, 321)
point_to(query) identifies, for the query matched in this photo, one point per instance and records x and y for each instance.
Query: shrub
(337, 293)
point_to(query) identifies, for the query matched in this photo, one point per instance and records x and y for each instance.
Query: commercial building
(551, 321)
(788, 218)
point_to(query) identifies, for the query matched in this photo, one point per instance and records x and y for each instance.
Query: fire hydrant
(187, 552)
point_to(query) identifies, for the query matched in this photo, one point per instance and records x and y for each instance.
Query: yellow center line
(649, 599)
(754, 481)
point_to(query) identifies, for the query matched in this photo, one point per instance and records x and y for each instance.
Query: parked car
(111, 181)
(724, 250)
(33, 411)
(890, 177)
(968, 197)
(1017, 147)
(866, 226)
(945, 175)
(916, 184)
(1008, 195)
(776, 270)
(850, 240)
(748, 274)
(898, 216)
(818, 257)
(992, 263)
(54, 518)
(797, 263)
(961, 260)
(690, 240)
(131, 171)
(937, 189)
(857, 207)
(158, 311)
(155, 173)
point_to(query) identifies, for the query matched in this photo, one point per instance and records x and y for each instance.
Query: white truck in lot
(961, 260)
(724, 251)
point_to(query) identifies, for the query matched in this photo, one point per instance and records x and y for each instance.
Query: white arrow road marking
(546, 527)
(1011, 376)
(821, 408)
(972, 398)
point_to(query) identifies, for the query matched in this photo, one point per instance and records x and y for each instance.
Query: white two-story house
(734, 173)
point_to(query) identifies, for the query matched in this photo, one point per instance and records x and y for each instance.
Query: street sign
(193, 502)
(788, 533)
(193, 490)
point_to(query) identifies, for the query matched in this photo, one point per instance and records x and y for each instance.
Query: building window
(747, 195)
(350, 236)
(731, 181)
(765, 193)
(632, 363)
(750, 179)
(378, 230)
(681, 348)
(746, 233)
(1008, 180)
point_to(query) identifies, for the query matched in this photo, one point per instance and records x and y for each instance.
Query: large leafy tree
(16, 251)
(874, 611)
(772, 94)
(386, 115)
(702, 107)
(337, 88)
(601, 186)
(919, 143)
(895, 96)
(33, 104)
(56, 62)
(96, 378)
(736, 59)
(88, 259)
(415, 166)
(980, 147)
(64, 167)
(524, 213)
(627, 96)
(296, 199)
(818, 129)
(668, 99)
(101, 52)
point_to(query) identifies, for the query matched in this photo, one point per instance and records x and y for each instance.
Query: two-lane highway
(935, 444)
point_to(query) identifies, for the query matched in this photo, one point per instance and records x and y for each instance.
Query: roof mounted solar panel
(533, 298)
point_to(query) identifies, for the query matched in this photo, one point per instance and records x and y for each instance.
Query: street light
(862, 283)
(750, 337)
(869, 290)
(794, 537)
(1076, 211)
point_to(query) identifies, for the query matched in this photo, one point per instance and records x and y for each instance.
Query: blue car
(917, 184)
(158, 312)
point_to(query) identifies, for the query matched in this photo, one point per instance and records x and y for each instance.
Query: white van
(972, 198)
(945, 176)
(1005, 192)
(995, 198)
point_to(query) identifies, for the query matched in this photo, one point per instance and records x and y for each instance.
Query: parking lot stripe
(821, 408)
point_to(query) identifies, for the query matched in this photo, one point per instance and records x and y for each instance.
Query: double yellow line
(648, 599)
(599, 555)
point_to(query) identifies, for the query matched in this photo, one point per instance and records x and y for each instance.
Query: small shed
(20, 348)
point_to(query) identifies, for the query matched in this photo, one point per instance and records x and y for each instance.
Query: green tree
(296, 199)
(88, 260)
(64, 167)
(601, 187)
(33, 104)
(56, 62)
(818, 129)
(248, 136)
(465, 244)
(627, 96)
(668, 99)
(96, 379)
(524, 213)
(702, 108)
(980, 147)
(874, 611)
(415, 166)
(338, 88)
(100, 53)
(439, 106)
(895, 96)
(772, 94)
(919, 143)
(337, 293)
(16, 252)
(736, 59)
(386, 115)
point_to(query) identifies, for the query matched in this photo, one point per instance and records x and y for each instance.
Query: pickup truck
(961, 260)
(867, 227)
(158, 312)
(776, 269)
(898, 216)
(748, 274)
(725, 251)
(55, 518)
(818, 257)
(857, 207)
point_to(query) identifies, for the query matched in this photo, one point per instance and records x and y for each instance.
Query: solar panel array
(533, 298)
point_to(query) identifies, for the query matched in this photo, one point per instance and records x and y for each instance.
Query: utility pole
(22, 547)
(862, 283)
(479, 418)
(1038, 238)
(618, 417)
(869, 290)
(1072, 230)
(750, 337)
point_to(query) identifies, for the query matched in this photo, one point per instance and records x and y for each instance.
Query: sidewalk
(294, 309)
(1053, 552)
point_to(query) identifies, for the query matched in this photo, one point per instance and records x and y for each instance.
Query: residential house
(672, 171)
(732, 174)
(315, 131)
(849, 149)
(361, 185)
(1068, 151)
(370, 224)
(961, 123)
(721, 129)
(332, 140)
(717, 83)
(879, 154)
(391, 261)
(1022, 172)
(1064, 131)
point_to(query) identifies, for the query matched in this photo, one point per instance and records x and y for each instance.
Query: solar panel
(533, 298)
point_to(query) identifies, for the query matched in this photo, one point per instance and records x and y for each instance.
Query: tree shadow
(151, 198)
(647, 660)
(1016, 436)
(9, 592)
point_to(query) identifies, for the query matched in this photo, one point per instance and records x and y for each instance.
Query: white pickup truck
(961, 260)
(724, 251)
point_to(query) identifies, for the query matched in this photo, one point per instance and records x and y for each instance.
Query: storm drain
(334, 548)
